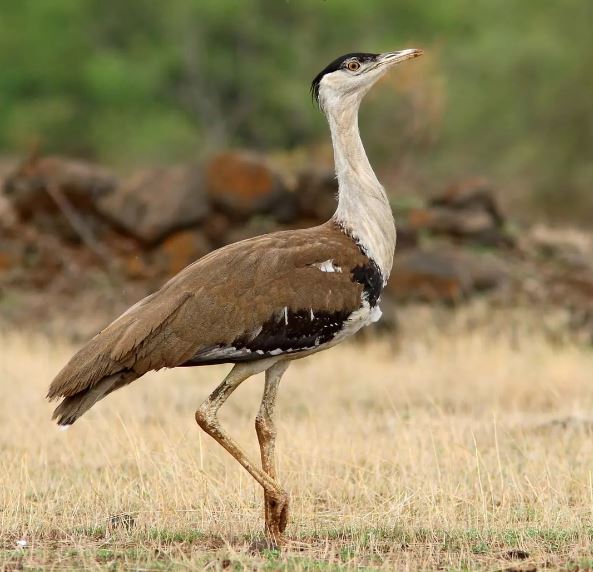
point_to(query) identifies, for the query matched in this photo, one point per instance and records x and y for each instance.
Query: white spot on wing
(286, 315)
(312, 315)
(327, 266)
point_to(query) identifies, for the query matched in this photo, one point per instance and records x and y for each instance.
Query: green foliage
(507, 92)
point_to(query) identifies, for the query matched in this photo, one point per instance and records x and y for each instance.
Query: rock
(152, 203)
(317, 193)
(407, 235)
(457, 224)
(12, 254)
(286, 210)
(31, 190)
(569, 247)
(475, 193)
(31, 258)
(444, 274)
(120, 244)
(243, 184)
(425, 275)
(82, 183)
(255, 227)
(465, 212)
(216, 227)
(179, 250)
(137, 267)
(8, 215)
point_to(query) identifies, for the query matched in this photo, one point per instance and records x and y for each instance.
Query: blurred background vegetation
(506, 89)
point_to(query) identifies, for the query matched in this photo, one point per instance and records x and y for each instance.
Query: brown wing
(250, 296)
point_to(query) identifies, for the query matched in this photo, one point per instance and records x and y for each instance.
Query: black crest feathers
(337, 64)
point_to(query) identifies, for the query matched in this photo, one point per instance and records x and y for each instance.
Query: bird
(263, 302)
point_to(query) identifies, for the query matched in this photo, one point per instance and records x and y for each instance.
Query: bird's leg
(206, 417)
(276, 519)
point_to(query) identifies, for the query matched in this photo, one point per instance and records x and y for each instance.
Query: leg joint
(265, 426)
(206, 417)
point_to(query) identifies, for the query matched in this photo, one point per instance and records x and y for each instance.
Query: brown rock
(215, 227)
(466, 212)
(179, 250)
(317, 193)
(8, 215)
(439, 220)
(569, 247)
(12, 253)
(152, 203)
(244, 183)
(137, 267)
(31, 190)
(474, 193)
(82, 183)
(32, 258)
(444, 274)
(255, 227)
(407, 235)
(121, 244)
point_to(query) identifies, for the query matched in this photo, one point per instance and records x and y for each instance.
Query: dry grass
(466, 449)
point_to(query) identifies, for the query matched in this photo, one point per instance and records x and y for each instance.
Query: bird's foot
(278, 542)
(263, 544)
(276, 512)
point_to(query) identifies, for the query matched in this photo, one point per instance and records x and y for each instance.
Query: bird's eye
(353, 65)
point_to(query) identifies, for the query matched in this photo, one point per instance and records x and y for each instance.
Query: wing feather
(228, 295)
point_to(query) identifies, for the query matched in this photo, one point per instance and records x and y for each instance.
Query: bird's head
(347, 79)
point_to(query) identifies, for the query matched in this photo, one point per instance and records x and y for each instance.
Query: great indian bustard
(262, 302)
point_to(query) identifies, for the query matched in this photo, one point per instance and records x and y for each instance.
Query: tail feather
(74, 406)
(138, 341)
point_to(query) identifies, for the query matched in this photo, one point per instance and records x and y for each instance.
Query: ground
(462, 447)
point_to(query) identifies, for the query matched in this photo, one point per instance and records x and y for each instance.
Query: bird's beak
(392, 58)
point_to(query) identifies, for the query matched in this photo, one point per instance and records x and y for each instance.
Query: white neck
(363, 208)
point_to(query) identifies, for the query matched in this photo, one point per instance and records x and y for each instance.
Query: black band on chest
(371, 279)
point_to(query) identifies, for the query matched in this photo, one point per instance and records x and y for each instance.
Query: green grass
(335, 550)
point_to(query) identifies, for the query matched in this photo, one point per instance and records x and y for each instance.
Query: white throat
(363, 208)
